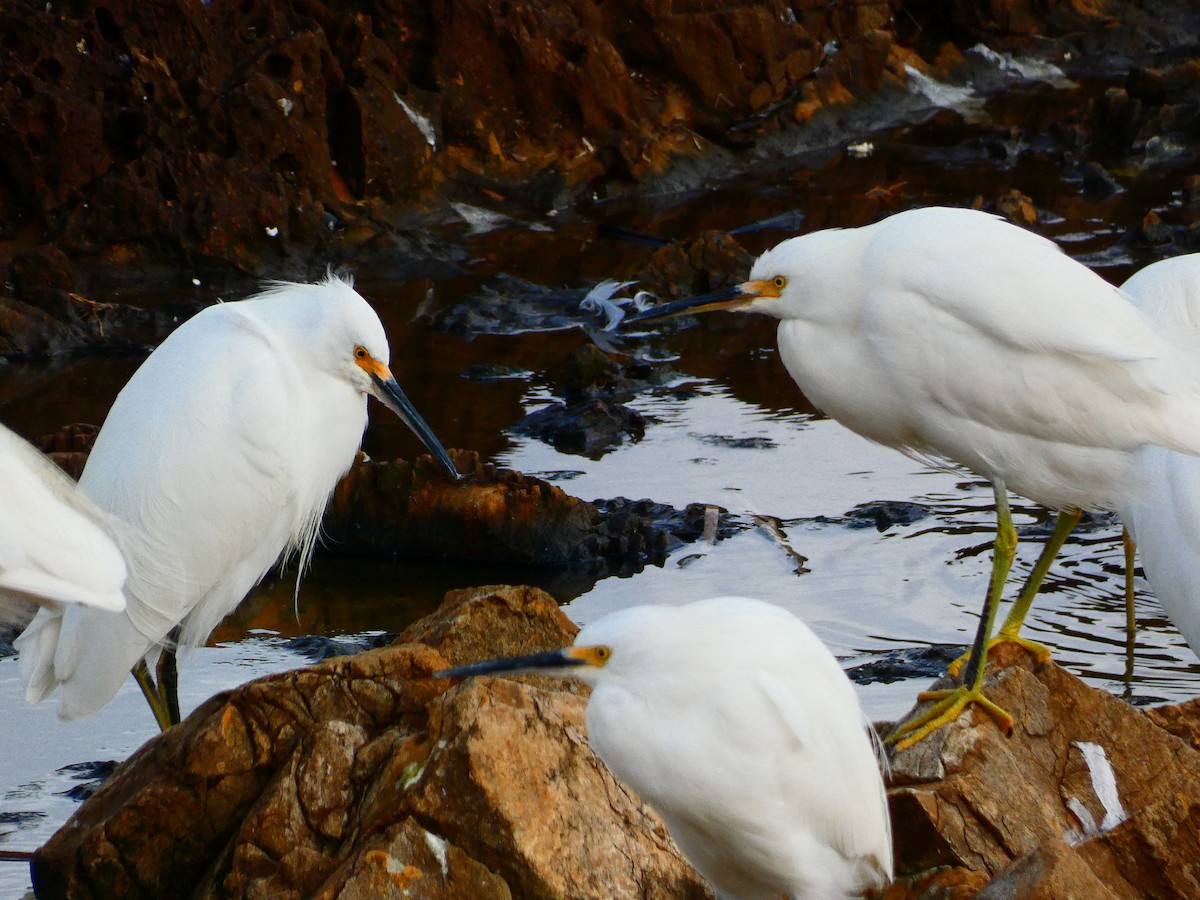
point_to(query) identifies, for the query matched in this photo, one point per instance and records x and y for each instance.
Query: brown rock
(470, 623)
(1018, 208)
(406, 861)
(364, 777)
(516, 757)
(414, 509)
(1035, 807)
(1052, 872)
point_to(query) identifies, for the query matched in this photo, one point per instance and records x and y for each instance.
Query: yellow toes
(949, 706)
(1041, 652)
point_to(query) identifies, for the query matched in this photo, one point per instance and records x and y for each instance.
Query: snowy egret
(56, 546)
(224, 448)
(951, 334)
(1164, 519)
(733, 720)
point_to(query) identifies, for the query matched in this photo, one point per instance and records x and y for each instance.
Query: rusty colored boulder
(413, 509)
(1087, 792)
(365, 777)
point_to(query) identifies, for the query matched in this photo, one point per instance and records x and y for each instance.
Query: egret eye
(361, 353)
(779, 281)
(602, 654)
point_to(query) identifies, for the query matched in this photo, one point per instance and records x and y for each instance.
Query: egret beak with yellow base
(552, 662)
(387, 391)
(737, 297)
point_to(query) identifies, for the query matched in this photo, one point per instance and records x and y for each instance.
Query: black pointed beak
(726, 298)
(534, 662)
(388, 391)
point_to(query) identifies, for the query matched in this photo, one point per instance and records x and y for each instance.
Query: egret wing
(994, 326)
(187, 467)
(54, 544)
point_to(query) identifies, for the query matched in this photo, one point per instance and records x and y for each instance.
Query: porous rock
(363, 776)
(1087, 792)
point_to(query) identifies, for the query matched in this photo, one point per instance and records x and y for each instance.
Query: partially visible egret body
(223, 448)
(951, 334)
(56, 547)
(733, 720)
(1164, 519)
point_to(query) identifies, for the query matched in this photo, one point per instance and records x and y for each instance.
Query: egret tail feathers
(36, 646)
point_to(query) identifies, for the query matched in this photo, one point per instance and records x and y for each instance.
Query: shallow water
(743, 439)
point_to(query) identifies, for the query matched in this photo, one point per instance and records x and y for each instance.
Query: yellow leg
(1130, 613)
(1063, 526)
(951, 703)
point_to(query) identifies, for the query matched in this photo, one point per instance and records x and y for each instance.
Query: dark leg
(150, 691)
(951, 703)
(168, 677)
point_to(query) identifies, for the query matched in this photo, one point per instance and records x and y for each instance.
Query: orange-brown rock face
(1087, 792)
(364, 777)
(413, 509)
(195, 131)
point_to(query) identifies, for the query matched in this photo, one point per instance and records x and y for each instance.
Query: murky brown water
(865, 592)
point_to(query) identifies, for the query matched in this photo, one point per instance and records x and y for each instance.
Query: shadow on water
(889, 600)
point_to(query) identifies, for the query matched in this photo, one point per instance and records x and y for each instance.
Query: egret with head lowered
(952, 335)
(733, 720)
(57, 548)
(222, 450)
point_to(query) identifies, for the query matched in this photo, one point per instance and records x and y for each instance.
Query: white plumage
(952, 334)
(1164, 518)
(733, 720)
(955, 336)
(56, 547)
(222, 450)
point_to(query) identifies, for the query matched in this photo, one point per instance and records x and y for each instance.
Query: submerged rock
(364, 777)
(588, 428)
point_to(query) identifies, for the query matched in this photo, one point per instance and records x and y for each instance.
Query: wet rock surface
(315, 121)
(413, 509)
(593, 418)
(364, 777)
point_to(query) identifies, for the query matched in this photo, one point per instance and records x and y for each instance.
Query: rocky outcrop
(200, 138)
(364, 777)
(1089, 797)
(199, 135)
